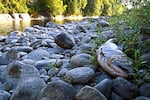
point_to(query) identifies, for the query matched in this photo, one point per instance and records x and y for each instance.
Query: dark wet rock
(23, 48)
(80, 75)
(114, 96)
(105, 87)
(38, 54)
(28, 89)
(124, 88)
(145, 90)
(4, 95)
(64, 40)
(90, 93)
(16, 72)
(142, 98)
(57, 90)
(80, 60)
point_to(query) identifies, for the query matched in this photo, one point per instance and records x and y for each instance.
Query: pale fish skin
(108, 53)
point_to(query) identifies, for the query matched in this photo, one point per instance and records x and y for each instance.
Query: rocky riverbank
(54, 63)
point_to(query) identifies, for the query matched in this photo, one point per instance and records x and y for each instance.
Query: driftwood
(113, 60)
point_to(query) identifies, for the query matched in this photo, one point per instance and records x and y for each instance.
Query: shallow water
(8, 26)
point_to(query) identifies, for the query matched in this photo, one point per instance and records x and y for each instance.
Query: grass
(127, 28)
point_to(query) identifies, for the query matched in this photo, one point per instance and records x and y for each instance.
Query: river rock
(8, 57)
(114, 96)
(108, 34)
(51, 25)
(2, 38)
(38, 54)
(124, 88)
(64, 40)
(57, 90)
(145, 90)
(63, 72)
(16, 72)
(28, 89)
(31, 30)
(90, 93)
(52, 72)
(103, 23)
(4, 95)
(80, 75)
(23, 48)
(4, 60)
(49, 63)
(55, 50)
(24, 41)
(142, 98)
(80, 29)
(105, 87)
(80, 60)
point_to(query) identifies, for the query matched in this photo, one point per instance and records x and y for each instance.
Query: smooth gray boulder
(57, 90)
(17, 72)
(4, 95)
(38, 54)
(89, 93)
(80, 75)
(28, 89)
(23, 48)
(80, 60)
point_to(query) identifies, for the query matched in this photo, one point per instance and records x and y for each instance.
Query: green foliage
(127, 28)
(75, 7)
(93, 7)
(14, 6)
(62, 7)
(55, 7)
(3, 9)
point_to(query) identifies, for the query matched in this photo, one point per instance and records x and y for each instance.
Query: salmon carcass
(113, 60)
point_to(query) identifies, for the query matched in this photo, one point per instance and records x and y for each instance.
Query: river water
(7, 26)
